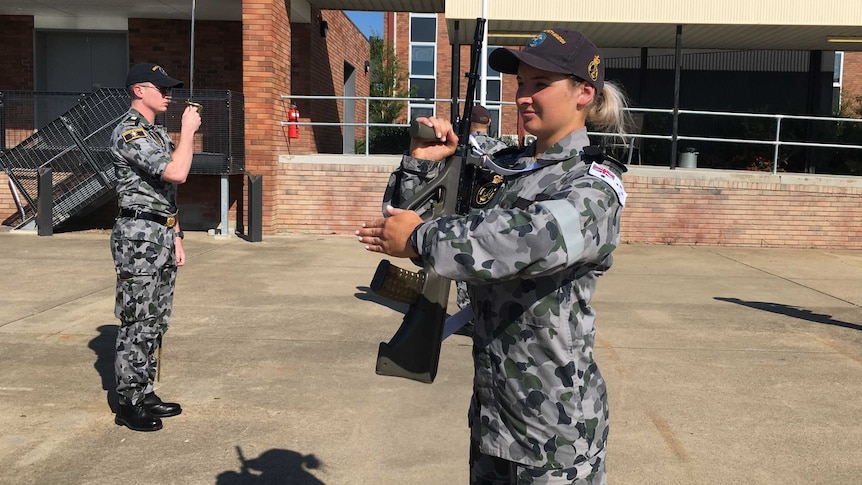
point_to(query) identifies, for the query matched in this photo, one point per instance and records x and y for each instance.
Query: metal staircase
(76, 148)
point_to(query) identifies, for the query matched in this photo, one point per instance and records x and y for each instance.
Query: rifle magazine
(396, 283)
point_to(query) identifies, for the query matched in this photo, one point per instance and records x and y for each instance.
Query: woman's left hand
(391, 235)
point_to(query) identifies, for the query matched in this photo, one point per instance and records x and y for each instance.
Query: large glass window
(423, 28)
(422, 60)
(418, 110)
(421, 88)
(423, 63)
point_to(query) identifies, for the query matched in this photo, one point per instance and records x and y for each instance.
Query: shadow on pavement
(104, 347)
(273, 467)
(368, 295)
(792, 311)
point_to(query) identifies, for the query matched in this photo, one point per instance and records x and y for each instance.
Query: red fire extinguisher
(293, 117)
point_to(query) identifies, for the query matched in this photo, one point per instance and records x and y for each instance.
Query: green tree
(388, 80)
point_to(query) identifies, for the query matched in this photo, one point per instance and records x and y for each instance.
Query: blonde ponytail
(607, 111)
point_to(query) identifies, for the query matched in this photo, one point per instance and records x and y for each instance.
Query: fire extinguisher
(293, 117)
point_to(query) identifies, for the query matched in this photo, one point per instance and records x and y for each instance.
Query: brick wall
(318, 68)
(851, 84)
(742, 209)
(16, 56)
(696, 207)
(7, 203)
(266, 41)
(329, 198)
(218, 65)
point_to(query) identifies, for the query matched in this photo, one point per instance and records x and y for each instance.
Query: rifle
(414, 351)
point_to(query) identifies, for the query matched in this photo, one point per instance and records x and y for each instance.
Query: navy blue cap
(147, 72)
(555, 50)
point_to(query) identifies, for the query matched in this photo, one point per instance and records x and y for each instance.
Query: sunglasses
(163, 90)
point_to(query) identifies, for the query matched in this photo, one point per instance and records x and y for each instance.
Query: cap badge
(593, 68)
(160, 69)
(538, 39)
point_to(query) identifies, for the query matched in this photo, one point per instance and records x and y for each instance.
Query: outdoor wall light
(324, 28)
(844, 40)
(367, 66)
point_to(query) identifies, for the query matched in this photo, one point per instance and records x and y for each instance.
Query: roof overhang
(706, 24)
(712, 24)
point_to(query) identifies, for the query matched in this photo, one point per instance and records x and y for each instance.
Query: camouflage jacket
(405, 180)
(531, 258)
(141, 152)
(489, 144)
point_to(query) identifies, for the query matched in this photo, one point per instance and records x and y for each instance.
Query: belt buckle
(172, 220)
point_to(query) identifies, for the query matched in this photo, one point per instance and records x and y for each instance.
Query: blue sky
(369, 23)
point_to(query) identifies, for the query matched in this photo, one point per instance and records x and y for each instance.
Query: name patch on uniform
(604, 173)
(133, 134)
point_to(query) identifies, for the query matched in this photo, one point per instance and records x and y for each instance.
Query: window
(423, 63)
(422, 60)
(493, 95)
(837, 78)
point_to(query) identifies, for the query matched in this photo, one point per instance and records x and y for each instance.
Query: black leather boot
(136, 417)
(154, 405)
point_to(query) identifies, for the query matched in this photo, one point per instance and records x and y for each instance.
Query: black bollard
(255, 208)
(45, 202)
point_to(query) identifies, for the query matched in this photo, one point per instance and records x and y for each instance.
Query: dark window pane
(421, 112)
(491, 72)
(493, 89)
(423, 29)
(422, 60)
(495, 122)
(421, 88)
(839, 64)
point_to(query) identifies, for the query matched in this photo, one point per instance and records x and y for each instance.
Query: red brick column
(265, 77)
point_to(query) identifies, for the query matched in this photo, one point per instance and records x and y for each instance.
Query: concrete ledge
(744, 176)
(337, 159)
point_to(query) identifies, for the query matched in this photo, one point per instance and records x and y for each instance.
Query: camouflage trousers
(491, 470)
(146, 274)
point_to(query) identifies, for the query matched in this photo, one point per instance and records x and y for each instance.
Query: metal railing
(75, 144)
(779, 136)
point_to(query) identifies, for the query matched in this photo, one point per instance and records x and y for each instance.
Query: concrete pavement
(724, 365)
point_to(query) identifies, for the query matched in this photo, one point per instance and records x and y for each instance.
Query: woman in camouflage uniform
(531, 257)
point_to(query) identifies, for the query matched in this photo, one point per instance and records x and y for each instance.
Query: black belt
(169, 221)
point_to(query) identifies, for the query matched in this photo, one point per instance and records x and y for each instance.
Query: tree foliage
(388, 80)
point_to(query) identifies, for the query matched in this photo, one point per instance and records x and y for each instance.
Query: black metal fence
(75, 144)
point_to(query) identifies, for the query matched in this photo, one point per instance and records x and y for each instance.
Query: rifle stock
(414, 351)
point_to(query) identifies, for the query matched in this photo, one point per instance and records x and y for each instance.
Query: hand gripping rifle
(414, 351)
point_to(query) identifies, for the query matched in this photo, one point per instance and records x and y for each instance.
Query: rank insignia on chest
(486, 192)
(133, 134)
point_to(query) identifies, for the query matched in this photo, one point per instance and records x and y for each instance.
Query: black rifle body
(414, 351)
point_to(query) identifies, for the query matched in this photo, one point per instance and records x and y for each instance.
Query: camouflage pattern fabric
(141, 152)
(144, 253)
(487, 143)
(532, 258)
(490, 470)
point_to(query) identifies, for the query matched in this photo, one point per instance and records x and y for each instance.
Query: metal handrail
(776, 142)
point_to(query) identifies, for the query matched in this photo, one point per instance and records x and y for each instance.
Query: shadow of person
(792, 311)
(367, 294)
(104, 346)
(273, 467)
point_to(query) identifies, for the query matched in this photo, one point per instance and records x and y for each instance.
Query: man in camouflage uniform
(146, 242)
(531, 257)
